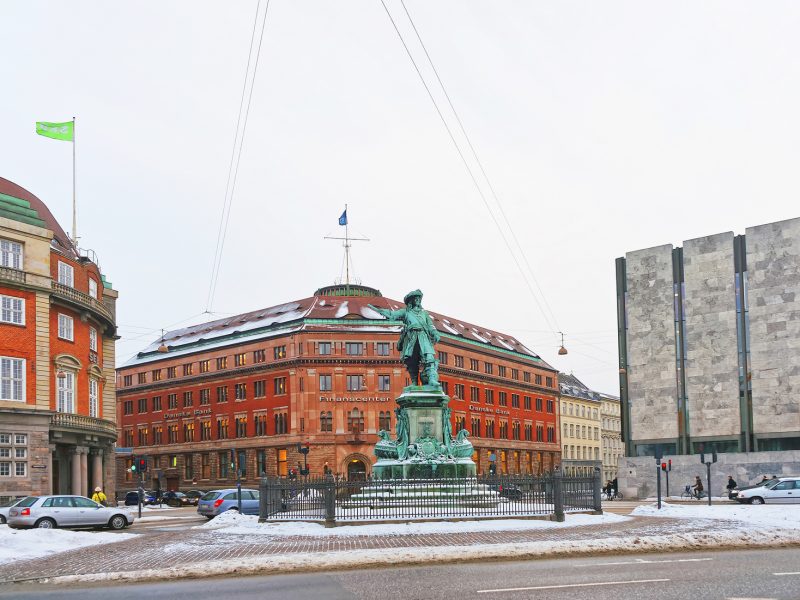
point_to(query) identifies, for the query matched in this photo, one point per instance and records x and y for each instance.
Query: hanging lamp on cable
(163, 347)
(562, 350)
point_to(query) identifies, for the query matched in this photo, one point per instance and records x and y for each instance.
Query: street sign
(123, 450)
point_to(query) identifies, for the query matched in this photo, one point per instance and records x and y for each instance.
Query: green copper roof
(19, 210)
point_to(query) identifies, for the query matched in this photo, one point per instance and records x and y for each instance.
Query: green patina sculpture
(416, 340)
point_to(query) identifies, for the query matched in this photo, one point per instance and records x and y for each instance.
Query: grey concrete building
(709, 344)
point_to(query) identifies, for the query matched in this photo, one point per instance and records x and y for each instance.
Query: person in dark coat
(730, 487)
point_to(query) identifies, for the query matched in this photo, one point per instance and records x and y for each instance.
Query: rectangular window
(172, 401)
(127, 380)
(280, 385)
(143, 436)
(459, 361)
(259, 356)
(204, 366)
(66, 393)
(445, 387)
(385, 383)
(222, 363)
(551, 435)
(514, 400)
(188, 465)
(526, 377)
(158, 435)
(12, 379)
(538, 380)
(94, 395)
(222, 428)
(382, 348)
(355, 383)
(324, 348)
(443, 358)
(188, 369)
(156, 403)
(259, 389)
(222, 393)
(13, 310)
(205, 396)
(205, 431)
(473, 364)
(502, 398)
(458, 391)
(515, 374)
(539, 404)
(240, 359)
(279, 352)
(10, 254)
(142, 377)
(240, 391)
(326, 421)
(66, 274)
(156, 374)
(354, 348)
(93, 343)
(172, 434)
(474, 394)
(127, 407)
(550, 406)
(188, 399)
(548, 381)
(325, 384)
(65, 327)
(92, 288)
(501, 371)
(489, 396)
(172, 372)
(142, 405)
(488, 368)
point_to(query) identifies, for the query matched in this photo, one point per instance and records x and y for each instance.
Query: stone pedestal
(424, 446)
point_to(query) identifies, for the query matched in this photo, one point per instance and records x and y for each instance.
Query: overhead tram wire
(233, 168)
(480, 166)
(466, 165)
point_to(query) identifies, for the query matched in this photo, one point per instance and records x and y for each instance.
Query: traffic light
(134, 465)
(664, 467)
(669, 465)
(141, 464)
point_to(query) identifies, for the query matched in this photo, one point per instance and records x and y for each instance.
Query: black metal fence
(330, 500)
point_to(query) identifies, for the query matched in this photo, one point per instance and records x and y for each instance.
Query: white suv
(784, 490)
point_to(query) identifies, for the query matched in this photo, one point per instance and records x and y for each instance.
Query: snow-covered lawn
(22, 544)
(786, 516)
(234, 523)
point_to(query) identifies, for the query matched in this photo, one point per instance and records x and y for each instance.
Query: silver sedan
(48, 512)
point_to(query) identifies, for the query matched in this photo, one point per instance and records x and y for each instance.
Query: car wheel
(757, 500)
(2, 520)
(45, 524)
(209, 517)
(118, 522)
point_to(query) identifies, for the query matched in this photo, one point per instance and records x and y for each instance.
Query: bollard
(558, 495)
(598, 489)
(329, 496)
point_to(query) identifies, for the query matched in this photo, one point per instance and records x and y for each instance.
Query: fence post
(329, 496)
(262, 500)
(597, 488)
(558, 495)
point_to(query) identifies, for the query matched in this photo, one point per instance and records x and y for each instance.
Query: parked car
(195, 495)
(784, 490)
(176, 499)
(132, 498)
(6, 506)
(48, 512)
(218, 501)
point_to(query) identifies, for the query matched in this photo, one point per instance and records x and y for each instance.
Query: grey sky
(604, 127)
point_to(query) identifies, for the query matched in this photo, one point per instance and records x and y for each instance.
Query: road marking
(792, 573)
(642, 561)
(570, 585)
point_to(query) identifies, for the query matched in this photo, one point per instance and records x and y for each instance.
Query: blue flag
(343, 218)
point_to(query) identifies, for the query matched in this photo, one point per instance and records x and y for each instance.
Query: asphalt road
(739, 575)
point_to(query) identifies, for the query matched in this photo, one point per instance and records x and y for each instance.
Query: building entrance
(356, 470)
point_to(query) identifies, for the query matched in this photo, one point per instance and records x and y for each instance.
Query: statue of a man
(417, 339)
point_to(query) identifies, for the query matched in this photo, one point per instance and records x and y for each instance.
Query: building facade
(580, 426)
(611, 435)
(321, 372)
(57, 332)
(708, 342)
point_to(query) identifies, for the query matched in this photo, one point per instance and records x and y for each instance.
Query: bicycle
(612, 496)
(689, 494)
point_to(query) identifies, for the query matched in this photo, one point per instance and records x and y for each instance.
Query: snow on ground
(782, 516)
(21, 544)
(231, 522)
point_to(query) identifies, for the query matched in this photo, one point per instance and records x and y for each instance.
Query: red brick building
(322, 371)
(57, 332)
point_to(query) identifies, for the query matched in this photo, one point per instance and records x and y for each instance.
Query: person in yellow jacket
(99, 496)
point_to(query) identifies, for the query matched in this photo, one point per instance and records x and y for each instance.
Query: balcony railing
(83, 423)
(14, 275)
(72, 295)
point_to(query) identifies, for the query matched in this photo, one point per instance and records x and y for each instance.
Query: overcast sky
(603, 127)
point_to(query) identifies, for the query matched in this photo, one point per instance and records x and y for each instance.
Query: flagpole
(74, 201)
(346, 251)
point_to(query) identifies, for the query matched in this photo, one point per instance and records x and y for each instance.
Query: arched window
(355, 421)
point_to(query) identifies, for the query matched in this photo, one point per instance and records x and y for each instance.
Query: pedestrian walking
(99, 496)
(730, 487)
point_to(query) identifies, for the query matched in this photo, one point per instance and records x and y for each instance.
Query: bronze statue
(417, 339)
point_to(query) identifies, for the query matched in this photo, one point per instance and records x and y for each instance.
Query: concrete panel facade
(651, 344)
(712, 382)
(773, 260)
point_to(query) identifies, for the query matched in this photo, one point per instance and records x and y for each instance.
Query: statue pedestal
(425, 447)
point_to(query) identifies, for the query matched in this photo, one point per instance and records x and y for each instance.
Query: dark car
(132, 498)
(194, 496)
(177, 499)
(508, 490)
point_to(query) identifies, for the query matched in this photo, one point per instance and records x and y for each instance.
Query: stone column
(97, 468)
(75, 465)
(50, 469)
(84, 471)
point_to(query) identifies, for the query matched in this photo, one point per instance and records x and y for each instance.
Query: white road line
(792, 573)
(642, 561)
(570, 585)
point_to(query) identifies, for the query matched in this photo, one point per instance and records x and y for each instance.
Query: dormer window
(10, 254)
(66, 274)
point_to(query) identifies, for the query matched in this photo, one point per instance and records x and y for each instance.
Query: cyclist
(697, 488)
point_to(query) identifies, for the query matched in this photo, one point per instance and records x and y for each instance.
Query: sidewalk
(204, 551)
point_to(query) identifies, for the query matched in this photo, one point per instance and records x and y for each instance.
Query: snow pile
(21, 544)
(233, 523)
(758, 517)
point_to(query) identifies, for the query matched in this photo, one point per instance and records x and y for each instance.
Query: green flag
(57, 131)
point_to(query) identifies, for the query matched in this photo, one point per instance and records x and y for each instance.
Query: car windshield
(210, 496)
(772, 483)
